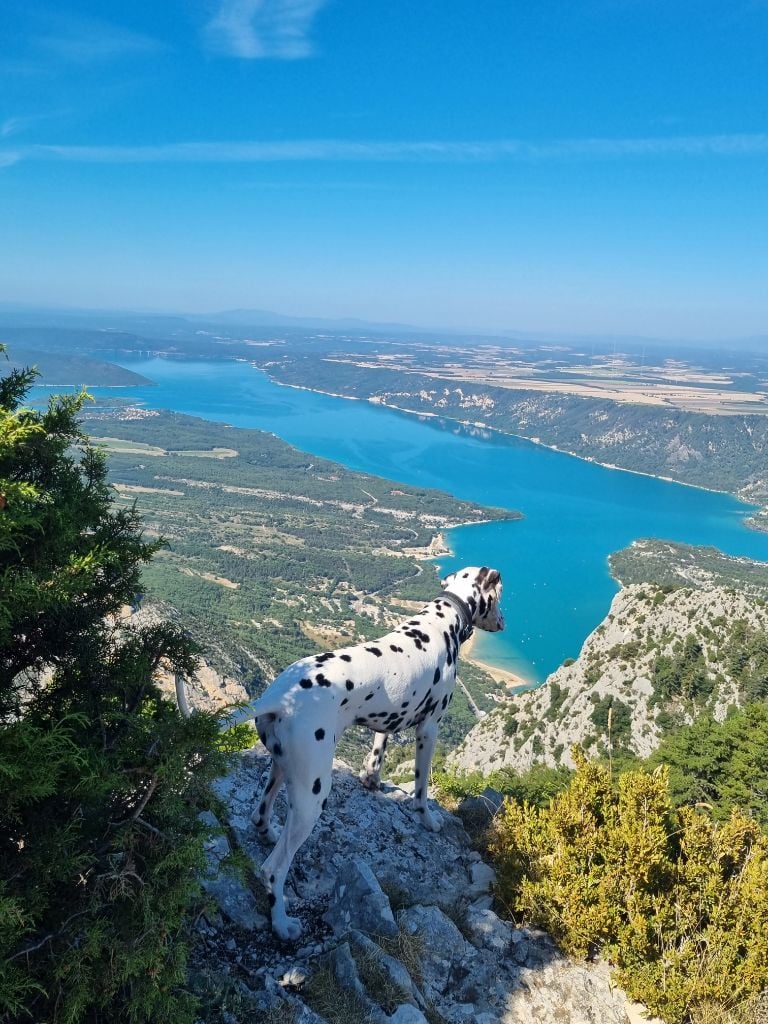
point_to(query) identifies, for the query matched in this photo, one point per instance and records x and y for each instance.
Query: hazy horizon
(52, 315)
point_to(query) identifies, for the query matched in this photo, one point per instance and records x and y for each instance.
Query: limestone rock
(235, 902)
(359, 902)
(489, 931)
(232, 896)
(388, 965)
(445, 946)
(483, 878)
(407, 1014)
(378, 827)
(578, 994)
(452, 958)
(343, 967)
(617, 662)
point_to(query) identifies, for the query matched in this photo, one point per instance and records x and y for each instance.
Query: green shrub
(722, 764)
(536, 786)
(557, 697)
(613, 718)
(511, 724)
(676, 902)
(455, 784)
(684, 674)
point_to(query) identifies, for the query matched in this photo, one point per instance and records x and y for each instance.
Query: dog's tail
(181, 695)
(247, 713)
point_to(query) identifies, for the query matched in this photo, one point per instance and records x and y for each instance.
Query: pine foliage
(101, 781)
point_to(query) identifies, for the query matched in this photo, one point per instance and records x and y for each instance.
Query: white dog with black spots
(403, 680)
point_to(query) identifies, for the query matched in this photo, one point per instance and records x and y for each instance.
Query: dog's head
(480, 588)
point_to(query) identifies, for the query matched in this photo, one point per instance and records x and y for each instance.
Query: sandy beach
(501, 675)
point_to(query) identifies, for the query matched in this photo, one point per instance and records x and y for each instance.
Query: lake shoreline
(510, 433)
(554, 561)
(506, 676)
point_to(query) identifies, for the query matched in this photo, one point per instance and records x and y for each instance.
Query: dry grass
(338, 1005)
(755, 1011)
(408, 949)
(399, 897)
(378, 984)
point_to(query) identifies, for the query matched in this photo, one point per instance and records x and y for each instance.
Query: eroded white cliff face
(617, 661)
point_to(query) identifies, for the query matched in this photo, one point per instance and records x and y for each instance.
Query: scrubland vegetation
(677, 902)
(661, 866)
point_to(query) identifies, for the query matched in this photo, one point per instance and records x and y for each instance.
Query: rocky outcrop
(216, 681)
(399, 924)
(657, 659)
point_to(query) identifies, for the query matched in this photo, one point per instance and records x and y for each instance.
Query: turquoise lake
(554, 562)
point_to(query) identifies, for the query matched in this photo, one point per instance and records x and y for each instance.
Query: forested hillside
(727, 453)
(664, 563)
(60, 369)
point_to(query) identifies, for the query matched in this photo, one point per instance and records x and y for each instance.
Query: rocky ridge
(619, 669)
(672, 564)
(398, 925)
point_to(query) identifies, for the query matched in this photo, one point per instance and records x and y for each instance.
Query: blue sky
(593, 166)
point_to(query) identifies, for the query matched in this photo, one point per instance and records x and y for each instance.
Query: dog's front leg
(370, 776)
(426, 736)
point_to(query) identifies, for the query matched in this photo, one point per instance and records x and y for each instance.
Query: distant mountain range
(154, 324)
(268, 318)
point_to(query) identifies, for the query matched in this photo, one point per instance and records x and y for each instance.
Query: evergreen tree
(722, 764)
(101, 781)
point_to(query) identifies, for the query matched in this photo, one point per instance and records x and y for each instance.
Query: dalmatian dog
(403, 680)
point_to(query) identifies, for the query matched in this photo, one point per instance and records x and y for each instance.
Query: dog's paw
(370, 780)
(287, 928)
(267, 834)
(431, 821)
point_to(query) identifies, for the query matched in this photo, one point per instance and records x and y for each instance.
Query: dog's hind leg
(307, 790)
(426, 735)
(370, 776)
(261, 817)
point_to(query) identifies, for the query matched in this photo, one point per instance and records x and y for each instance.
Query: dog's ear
(493, 578)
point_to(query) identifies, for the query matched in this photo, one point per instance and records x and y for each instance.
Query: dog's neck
(465, 627)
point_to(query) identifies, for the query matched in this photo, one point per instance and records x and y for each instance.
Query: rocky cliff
(398, 922)
(658, 658)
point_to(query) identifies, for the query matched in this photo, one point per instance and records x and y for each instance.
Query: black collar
(465, 615)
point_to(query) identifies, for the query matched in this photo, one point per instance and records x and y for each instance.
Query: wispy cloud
(8, 157)
(263, 28)
(14, 125)
(10, 125)
(81, 40)
(436, 151)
